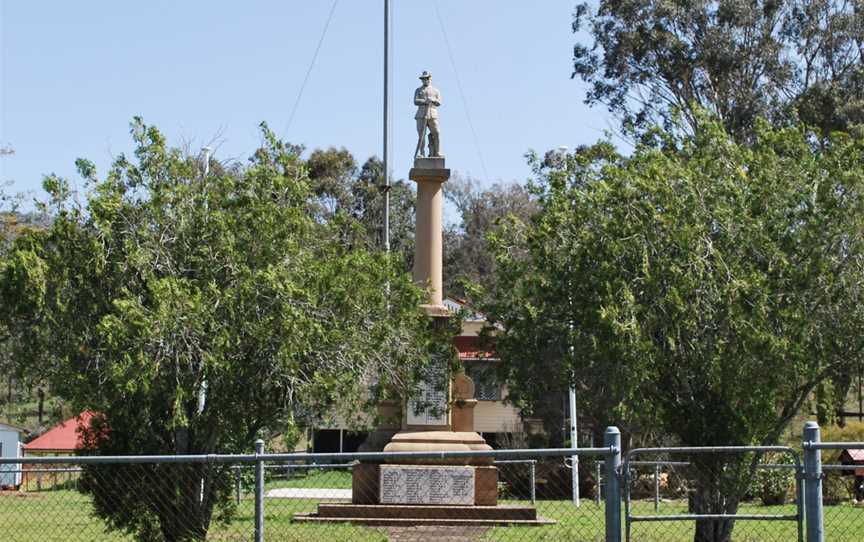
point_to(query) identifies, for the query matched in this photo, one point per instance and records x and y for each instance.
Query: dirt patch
(436, 533)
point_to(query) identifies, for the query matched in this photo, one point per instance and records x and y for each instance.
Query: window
(486, 385)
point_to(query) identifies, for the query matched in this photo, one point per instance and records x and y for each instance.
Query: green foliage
(774, 486)
(356, 197)
(467, 258)
(196, 313)
(853, 431)
(701, 281)
(701, 285)
(778, 59)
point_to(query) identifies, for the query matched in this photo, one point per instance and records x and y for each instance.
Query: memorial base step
(383, 515)
(427, 511)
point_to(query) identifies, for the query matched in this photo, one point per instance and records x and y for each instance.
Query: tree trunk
(40, 393)
(719, 482)
(709, 500)
(187, 516)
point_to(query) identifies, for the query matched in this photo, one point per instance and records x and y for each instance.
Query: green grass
(67, 515)
(327, 479)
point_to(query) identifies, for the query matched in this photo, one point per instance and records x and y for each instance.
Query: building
(10, 448)
(494, 419)
(62, 439)
(65, 438)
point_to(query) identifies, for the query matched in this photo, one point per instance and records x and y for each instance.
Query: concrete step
(413, 522)
(369, 511)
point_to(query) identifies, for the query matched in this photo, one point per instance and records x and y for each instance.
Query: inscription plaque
(429, 406)
(409, 484)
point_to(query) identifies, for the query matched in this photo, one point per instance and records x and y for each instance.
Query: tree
(12, 224)
(785, 60)
(357, 196)
(368, 208)
(195, 314)
(466, 253)
(706, 284)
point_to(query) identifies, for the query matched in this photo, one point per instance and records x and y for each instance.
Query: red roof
(469, 348)
(64, 436)
(854, 455)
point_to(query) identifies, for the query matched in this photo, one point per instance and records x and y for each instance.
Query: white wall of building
(10, 447)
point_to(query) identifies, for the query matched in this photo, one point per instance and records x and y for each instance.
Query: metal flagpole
(574, 443)
(574, 433)
(386, 123)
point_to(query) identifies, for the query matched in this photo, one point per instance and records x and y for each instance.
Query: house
(63, 439)
(855, 457)
(494, 419)
(10, 448)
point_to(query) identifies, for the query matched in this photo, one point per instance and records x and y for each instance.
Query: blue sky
(73, 74)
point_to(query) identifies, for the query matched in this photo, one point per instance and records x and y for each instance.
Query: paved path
(309, 493)
(437, 533)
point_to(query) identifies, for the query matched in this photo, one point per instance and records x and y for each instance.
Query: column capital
(429, 170)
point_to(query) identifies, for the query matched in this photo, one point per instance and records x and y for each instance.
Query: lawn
(66, 515)
(324, 479)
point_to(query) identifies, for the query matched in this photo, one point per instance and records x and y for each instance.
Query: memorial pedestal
(374, 483)
(440, 418)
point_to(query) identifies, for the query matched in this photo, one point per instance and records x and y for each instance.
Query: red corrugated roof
(64, 436)
(469, 348)
(855, 455)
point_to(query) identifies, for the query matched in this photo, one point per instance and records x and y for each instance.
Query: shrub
(773, 486)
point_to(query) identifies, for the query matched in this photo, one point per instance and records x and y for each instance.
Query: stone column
(454, 430)
(429, 174)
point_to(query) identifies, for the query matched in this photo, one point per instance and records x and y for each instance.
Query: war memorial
(440, 418)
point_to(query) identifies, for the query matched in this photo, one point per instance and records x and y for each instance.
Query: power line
(461, 92)
(311, 65)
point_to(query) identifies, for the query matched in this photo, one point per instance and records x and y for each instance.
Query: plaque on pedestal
(428, 406)
(408, 484)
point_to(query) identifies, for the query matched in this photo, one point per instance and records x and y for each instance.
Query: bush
(773, 486)
(837, 489)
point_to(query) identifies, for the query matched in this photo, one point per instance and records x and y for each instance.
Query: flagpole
(386, 125)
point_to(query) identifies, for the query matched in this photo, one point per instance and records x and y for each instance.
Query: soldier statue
(427, 99)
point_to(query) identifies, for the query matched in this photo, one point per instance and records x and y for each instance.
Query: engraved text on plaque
(409, 484)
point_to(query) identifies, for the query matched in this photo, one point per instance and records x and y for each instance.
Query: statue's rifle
(426, 116)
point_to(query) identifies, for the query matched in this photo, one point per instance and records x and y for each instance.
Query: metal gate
(713, 482)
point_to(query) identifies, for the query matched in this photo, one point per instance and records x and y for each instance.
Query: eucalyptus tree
(700, 284)
(195, 313)
(356, 195)
(785, 60)
(467, 258)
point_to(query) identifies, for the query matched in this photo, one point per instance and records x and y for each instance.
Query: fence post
(656, 488)
(599, 491)
(533, 481)
(813, 484)
(259, 492)
(612, 438)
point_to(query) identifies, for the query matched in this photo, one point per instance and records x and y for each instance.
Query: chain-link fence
(522, 495)
(843, 501)
(687, 494)
(834, 500)
(721, 494)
